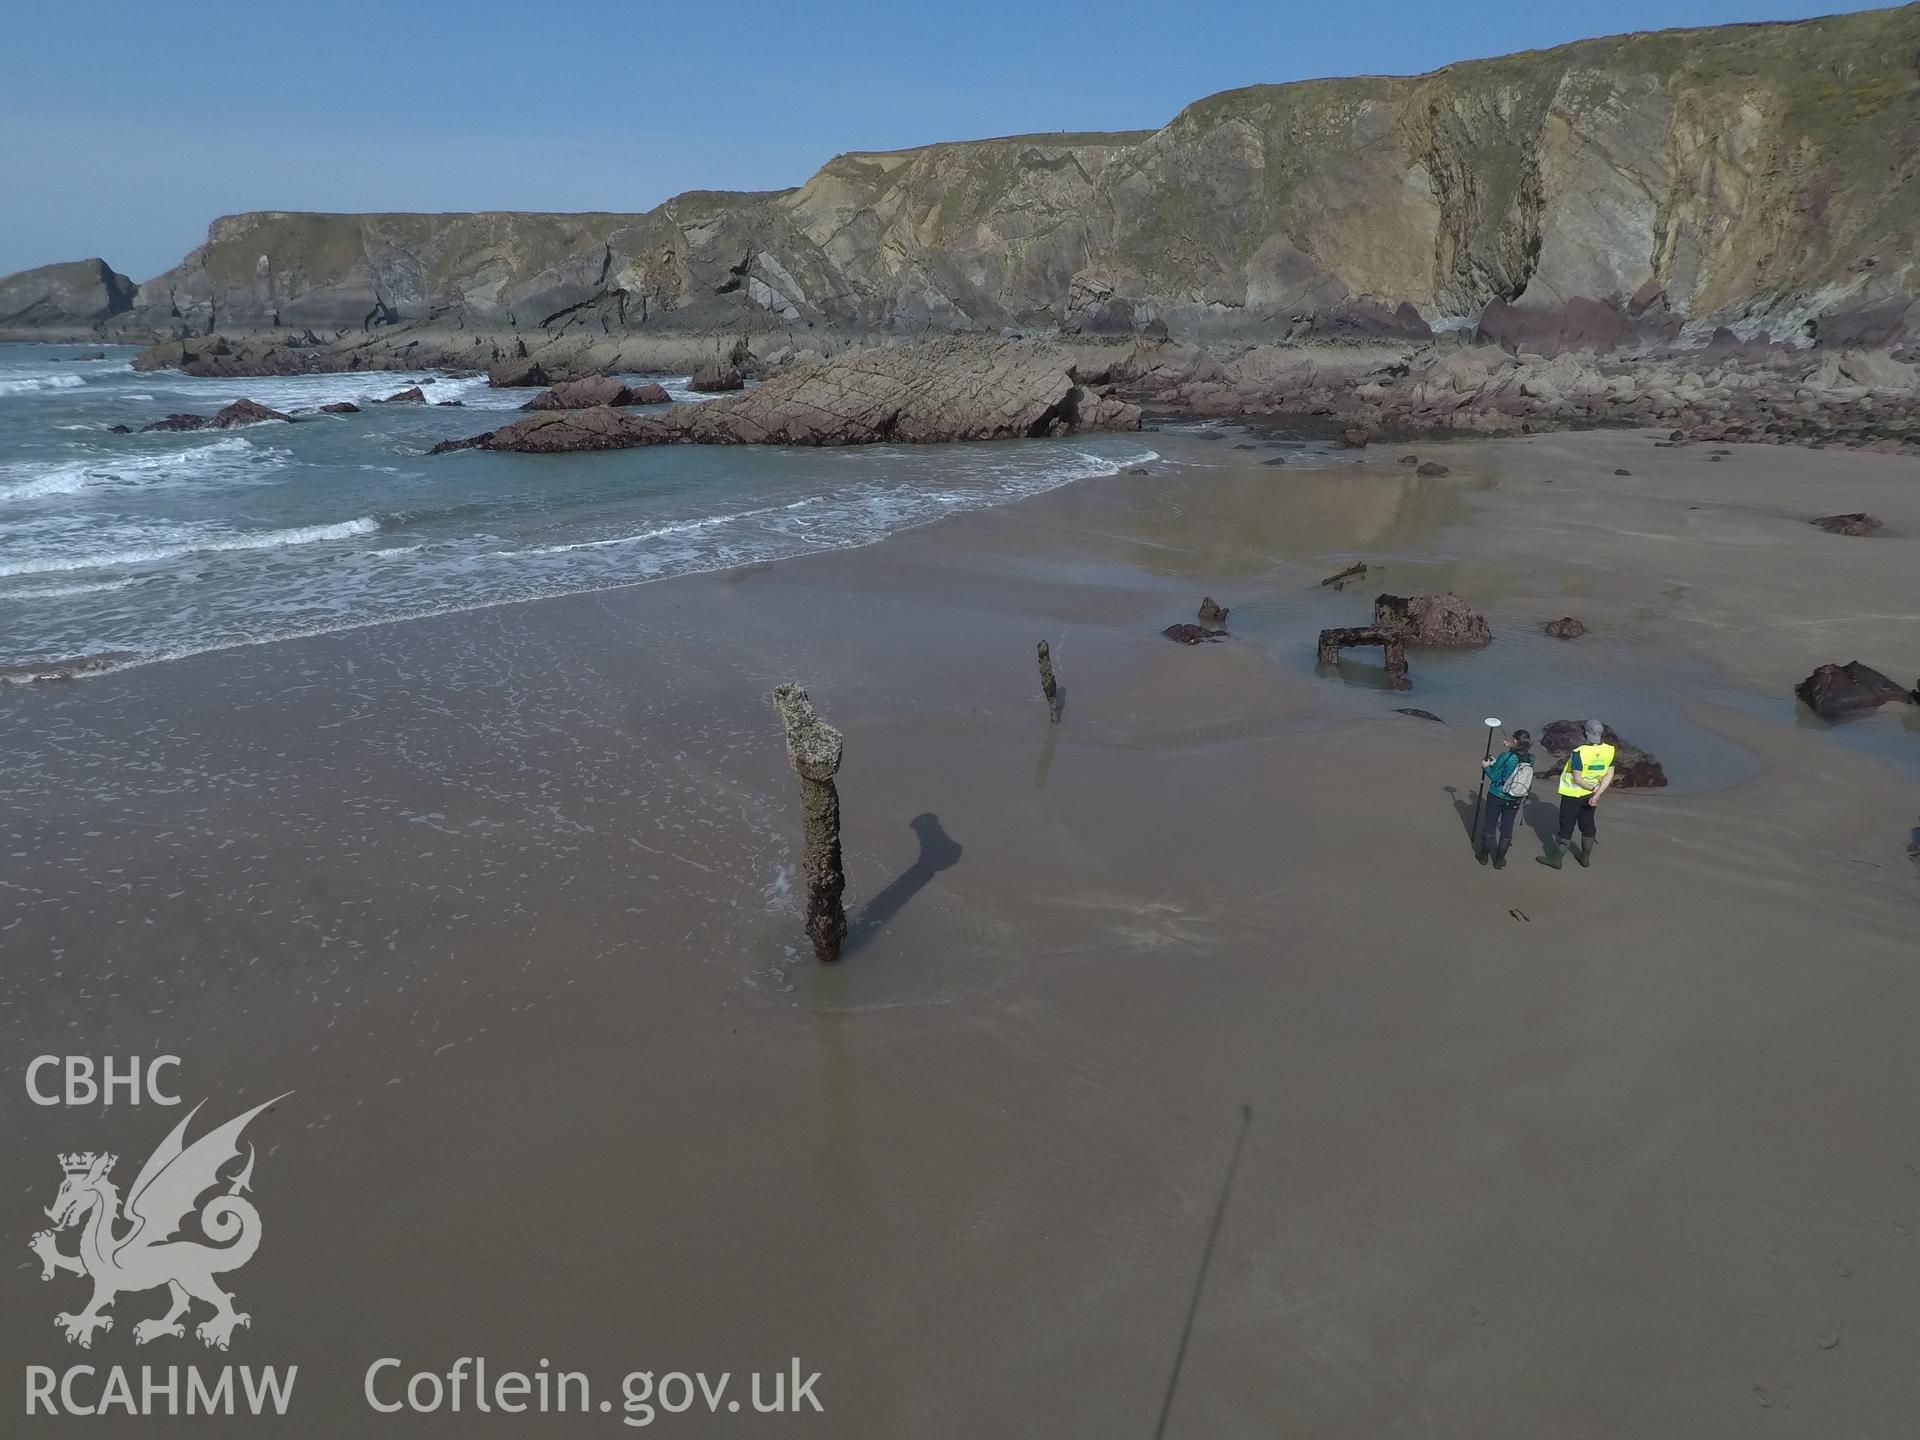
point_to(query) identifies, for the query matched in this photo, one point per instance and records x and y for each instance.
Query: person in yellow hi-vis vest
(1588, 773)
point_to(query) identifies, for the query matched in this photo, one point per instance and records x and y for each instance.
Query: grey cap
(1595, 730)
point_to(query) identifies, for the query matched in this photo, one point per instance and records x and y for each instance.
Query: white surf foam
(33, 384)
(54, 592)
(200, 545)
(684, 527)
(221, 460)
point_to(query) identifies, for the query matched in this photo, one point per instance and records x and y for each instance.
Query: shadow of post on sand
(1539, 815)
(938, 851)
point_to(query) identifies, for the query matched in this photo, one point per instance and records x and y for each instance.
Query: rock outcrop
(1567, 627)
(521, 373)
(1837, 692)
(240, 412)
(1777, 397)
(711, 379)
(77, 295)
(600, 390)
(954, 389)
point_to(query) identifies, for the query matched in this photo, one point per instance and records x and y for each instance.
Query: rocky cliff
(1764, 177)
(74, 296)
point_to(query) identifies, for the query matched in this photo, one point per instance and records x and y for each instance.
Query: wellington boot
(1500, 858)
(1556, 855)
(1584, 853)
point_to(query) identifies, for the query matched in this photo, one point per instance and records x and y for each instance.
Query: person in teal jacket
(1504, 778)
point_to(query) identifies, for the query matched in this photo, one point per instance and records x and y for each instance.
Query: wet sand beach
(507, 899)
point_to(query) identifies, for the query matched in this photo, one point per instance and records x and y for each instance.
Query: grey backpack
(1520, 782)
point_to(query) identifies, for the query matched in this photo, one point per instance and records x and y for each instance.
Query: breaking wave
(151, 554)
(71, 476)
(33, 384)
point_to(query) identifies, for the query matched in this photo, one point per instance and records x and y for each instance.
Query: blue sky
(125, 127)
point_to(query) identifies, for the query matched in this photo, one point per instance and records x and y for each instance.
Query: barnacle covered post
(813, 750)
(1048, 686)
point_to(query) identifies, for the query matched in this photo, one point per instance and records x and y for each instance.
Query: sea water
(152, 546)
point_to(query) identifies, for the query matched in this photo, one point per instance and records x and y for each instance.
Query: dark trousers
(1497, 821)
(1575, 810)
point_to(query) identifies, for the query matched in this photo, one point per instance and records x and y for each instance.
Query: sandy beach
(507, 900)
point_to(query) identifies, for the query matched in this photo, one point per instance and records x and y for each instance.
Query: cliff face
(1763, 176)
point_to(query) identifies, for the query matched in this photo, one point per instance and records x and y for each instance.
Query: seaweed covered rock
(1567, 627)
(1442, 621)
(1858, 523)
(1192, 634)
(1633, 768)
(1835, 692)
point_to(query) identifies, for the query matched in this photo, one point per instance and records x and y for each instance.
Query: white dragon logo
(147, 1255)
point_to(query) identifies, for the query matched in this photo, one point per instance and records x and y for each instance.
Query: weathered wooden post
(1048, 687)
(813, 750)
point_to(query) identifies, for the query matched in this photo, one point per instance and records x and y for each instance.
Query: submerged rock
(244, 412)
(1858, 523)
(340, 407)
(1354, 437)
(1565, 628)
(1433, 469)
(240, 412)
(1192, 634)
(1834, 692)
(71, 669)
